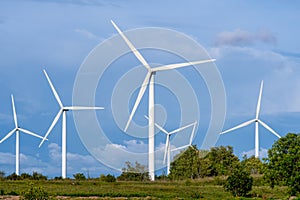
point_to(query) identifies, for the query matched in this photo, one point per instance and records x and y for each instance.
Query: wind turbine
(257, 121)
(168, 146)
(149, 80)
(16, 130)
(63, 111)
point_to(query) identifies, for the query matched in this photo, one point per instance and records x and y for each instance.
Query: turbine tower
(167, 153)
(63, 112)
(16, 130)
(149, 80)
(257, 121)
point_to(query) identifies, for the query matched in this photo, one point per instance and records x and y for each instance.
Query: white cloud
(87, 34)
(240, 37)
(245, 67)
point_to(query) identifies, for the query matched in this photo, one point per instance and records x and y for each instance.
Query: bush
(239, 183)
(35, 193)
(79, 177)
(108, 178)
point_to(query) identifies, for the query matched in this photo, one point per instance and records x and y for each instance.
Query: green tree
(239, 183)
(2, 175)
(108, 178)
(252, 165)
(79, 177)
(38, 176)
(186, 164)
(283, 163)
(134, 173)
(221, 161)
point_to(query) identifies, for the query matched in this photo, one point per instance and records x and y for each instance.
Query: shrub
(79, 176)
(239, 183)
(35, 193)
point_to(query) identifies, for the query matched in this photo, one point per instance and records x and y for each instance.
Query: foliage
(35, 193)
(222, 160)
(79, 177)
(108, 178)
(252, 165)
(2, 175)
(38, 176)
(134, 173)
(193, 163)
(185, 165)
(13, 176)
(283, 163)
(239, 183)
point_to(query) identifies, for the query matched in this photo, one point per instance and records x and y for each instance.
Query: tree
(38, 176)
(108, 178)
(134, 173)
(239, 183)
(2, 175)
(283, 163)
(222, 161)
(79, 177)
(186, 164)
(252, 165)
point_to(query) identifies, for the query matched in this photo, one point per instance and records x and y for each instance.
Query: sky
(250, 40)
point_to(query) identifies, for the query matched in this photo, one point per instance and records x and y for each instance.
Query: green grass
(199, 189)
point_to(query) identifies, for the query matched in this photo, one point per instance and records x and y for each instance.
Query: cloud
(240, 37)
(246, 67)
(263, 153)
(87, 34)
(52, 167)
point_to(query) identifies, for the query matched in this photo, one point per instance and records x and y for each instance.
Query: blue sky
(251, 40)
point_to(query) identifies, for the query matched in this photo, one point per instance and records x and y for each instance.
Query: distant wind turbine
(16, 130)
(257, 121)
(168, 150)
(149, 80)
(63, 111)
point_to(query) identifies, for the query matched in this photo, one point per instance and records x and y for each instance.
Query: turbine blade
(182, 147)
(269, 128)
(166, 148)
(259, 99)
(51, 127)
(138, 99)
(193, 132)
(83, 108)
(182, 128)
(158, 126)
(174, 66)
(14, 111)
(8, 135)
(239, 126)
(53, 90)
(130, 45)
(30, 133)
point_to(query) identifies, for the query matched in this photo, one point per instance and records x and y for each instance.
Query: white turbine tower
(16, 130)
(167, 154)
(257, 121)
(63, 111)
(149, 80)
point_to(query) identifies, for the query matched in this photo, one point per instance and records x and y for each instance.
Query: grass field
(199, 189)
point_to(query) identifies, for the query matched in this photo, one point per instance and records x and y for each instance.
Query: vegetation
(134, 173)
(35, 193)
(239, 183)
(283, 163)
(208, 174)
